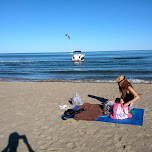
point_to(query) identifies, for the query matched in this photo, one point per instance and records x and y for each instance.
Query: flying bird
(67, 36)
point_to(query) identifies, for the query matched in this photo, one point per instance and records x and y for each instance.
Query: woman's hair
(123, 88)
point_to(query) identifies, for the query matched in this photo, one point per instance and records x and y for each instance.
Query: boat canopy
(76, 51)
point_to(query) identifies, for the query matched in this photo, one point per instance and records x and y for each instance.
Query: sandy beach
(30, 111)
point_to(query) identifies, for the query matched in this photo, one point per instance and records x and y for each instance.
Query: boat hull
(78, 57)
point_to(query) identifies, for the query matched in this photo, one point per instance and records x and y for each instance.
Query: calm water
(97, 67)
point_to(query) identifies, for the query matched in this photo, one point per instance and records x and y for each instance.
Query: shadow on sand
(70, 101)
(14, 141)
(102, 100)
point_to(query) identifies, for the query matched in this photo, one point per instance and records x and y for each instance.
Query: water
(100, 66)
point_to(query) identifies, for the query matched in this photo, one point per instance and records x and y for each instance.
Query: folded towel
(93, 111)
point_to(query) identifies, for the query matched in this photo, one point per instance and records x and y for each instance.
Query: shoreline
(133, 81)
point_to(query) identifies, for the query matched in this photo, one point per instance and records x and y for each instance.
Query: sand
(32, 109)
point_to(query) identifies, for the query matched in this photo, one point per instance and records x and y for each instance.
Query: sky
(93, 25)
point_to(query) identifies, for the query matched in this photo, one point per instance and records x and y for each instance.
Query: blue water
(98, 66)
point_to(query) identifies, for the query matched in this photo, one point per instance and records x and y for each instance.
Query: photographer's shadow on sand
(14, 141)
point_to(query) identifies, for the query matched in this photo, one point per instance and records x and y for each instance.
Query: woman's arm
(136, 96)
(121, 100)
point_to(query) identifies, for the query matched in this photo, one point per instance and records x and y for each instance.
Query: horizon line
(82, 51)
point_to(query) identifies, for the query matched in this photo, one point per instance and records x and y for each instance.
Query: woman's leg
(113, 100)
(117, 100)
(131, 105)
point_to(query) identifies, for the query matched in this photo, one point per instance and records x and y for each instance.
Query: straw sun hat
(121, 79)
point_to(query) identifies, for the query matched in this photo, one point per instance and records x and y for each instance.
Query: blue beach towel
(137, 119)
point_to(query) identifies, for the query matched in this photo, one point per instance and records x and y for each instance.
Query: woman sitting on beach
(128, 94)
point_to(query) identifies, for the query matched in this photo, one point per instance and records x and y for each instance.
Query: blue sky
(93, 25)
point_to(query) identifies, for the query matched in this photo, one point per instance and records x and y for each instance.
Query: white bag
(76, 100)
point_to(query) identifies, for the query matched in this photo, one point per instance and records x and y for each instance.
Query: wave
(16, 61)
(99, 72)
(32, 61)
(135, 81)
(122, 58)
(138, 81)
(14, 73)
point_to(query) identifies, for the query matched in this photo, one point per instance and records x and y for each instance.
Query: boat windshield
(77, 52)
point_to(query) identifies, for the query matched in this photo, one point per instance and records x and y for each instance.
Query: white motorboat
(77, 56)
